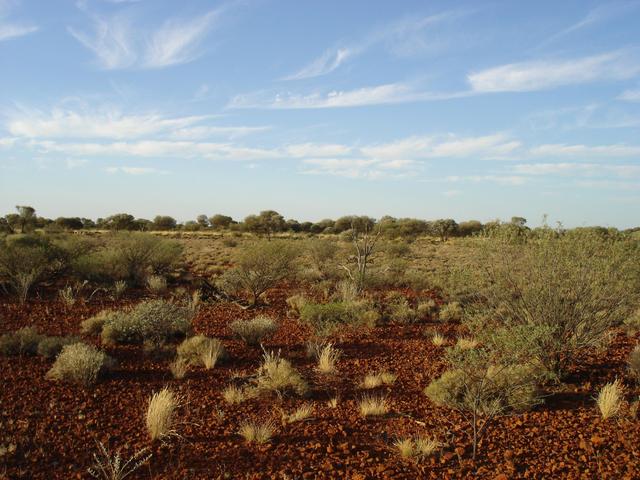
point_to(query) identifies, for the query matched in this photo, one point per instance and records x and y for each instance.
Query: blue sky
(428, 109)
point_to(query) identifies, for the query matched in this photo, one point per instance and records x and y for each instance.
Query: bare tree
(364, 236)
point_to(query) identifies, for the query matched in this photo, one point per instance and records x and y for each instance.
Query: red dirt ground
(55, 426)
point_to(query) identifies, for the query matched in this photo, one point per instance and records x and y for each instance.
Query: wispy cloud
(403, 37)
(510, 180)
(630, 95)
(136, 170)
(546, 74)
(10, 29)
(390, 93)
(579, 170)
(117, 44)
(581, 150)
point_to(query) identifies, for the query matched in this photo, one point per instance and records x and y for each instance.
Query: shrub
(21, 342)
(67, 296)
(426, 308)
(634, 362)
(93, 325)
(327, 358)
(373, 405)
(277, 375)
(261, 267)
(255, 330)
(201, 350)
(399, 310)
(325, 318)
(50, 347)
(258, 432)
(438, 340)
(610, 398)
(153, 321)
(161, 414)
(295, 303)
(78, 363)
(113, 467)
(156, 284)
(451, 312)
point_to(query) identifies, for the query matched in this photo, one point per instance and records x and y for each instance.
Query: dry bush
(255, 330)
(426, 308)
(610, 399)
(301, 413)
(465, 343)
(257, 432)
(277, 375)
(161, 414)
(78, 363)
(333, 402)
(179, 368)
(405, 447)
(113, 467)
(119, 288)
(21, 342)
(634, 362)
(93, 325)
(201, 350)
(398, 308)
(156, 284)
(327, 358)
(50, 347)
(438, 340)
(451, 312)
(374, 380)
(373, 405)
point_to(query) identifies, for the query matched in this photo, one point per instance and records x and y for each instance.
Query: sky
(426, 109)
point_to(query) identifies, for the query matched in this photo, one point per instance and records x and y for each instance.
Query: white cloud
(117, 44)
(365, 168)
(326, 63)
(560, 149)
(7, 142)
(545, 74)
(317, 150)
(9, 29)
(202, 132)
(575, 169)
(136, 170)
(390, 93)
(512, 180)
(630, 95)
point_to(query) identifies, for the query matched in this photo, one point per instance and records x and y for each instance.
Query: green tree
(164, 222)
(220, 222)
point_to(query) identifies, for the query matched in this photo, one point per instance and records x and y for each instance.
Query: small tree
(261, 267)
(164, 222)
(444, 228)
(220, 222)
(364, 242)
(202, 220)
(267, 223)
(26, 218)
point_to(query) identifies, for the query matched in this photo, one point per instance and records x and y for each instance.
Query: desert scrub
(50, 347)
(161, 413)
(451, 312)
(78, 363)
(276, 374)
(93, 325)
(610, 399)
(398, 309)
(201, 350)
(178, 368)
(255, 330)
(21, 342)
(295, 303)
(234, 394)
(257, 432)
(426, 308)
(634, 363)
(301, 413)
(417, 448)
(113, 467)
(375, 380)
(325, 318)
(153, 321)
(156, 284)
(438, 340)
(373, 405)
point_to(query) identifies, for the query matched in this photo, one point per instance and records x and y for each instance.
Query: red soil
(55, 426)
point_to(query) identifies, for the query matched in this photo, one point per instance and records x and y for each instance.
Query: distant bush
(50, 347)
(326, 318)
(201, 350)
(78, 363)
(21, 342)
(255, 330)
(153, 321)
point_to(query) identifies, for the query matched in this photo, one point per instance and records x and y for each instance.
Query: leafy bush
(78, 363)
(201, 350)
(21, 342)
(153, 321)
(255, 330)
(261, 267)
(50, 347)
(326, 318)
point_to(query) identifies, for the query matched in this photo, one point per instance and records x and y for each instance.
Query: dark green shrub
(50, 347)
(326, 318)
(21, 342)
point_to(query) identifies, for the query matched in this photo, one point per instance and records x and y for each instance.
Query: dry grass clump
(438, 340)
(67, 296)
(426, 308)
(255, 330)
(327, 358)
(398, 308)
(161, 414)
(464, 343)
(610, 398)
(373, 405)
(201, 350)
(156, 284)
(119, 287)
(78, 363)
(301, 413)
(113, 467)
(179, 368)
(375, 380)
(417, 447)
(257, 432)
(451, 312)
(277, 375)
(634, 362)
(333, 402)
(234, 394)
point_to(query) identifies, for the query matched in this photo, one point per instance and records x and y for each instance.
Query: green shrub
(261, 267)
(50, 347)
(326, 318)
(152, 321)
(255, 330)
(21, 342)
(78, 363)
(398, 308)
(201, 350)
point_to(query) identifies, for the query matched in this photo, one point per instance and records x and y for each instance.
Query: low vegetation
(78, 363)
(255, 330)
